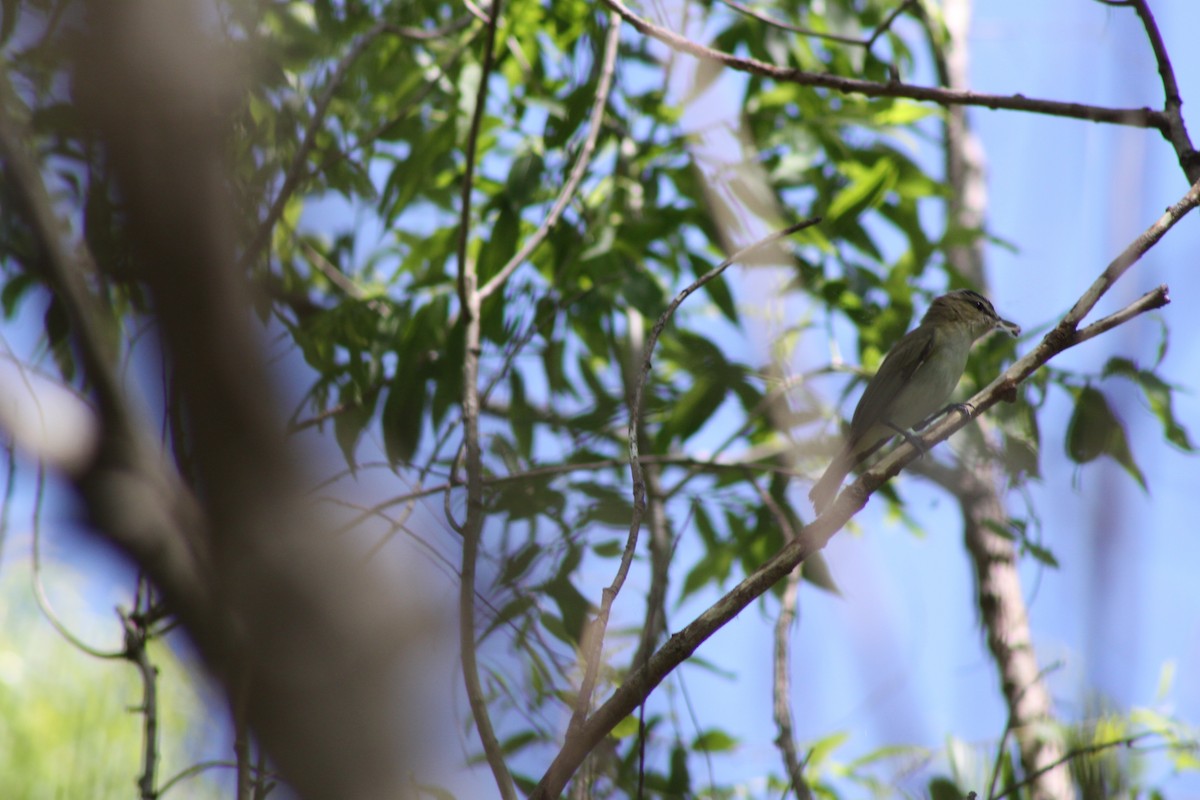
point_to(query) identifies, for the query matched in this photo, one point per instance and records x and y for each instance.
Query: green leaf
(501, 244)
(349, 425)
(572, 605)
(867, 188)
(823, 748)
(714, 567)
(1041, 553)
(679, 780)
(1159, 394)
(816, 571)
(1096, 430)
(520, 414)
(610, 549)
(517, 565)
(944, 789)
(625, 728)
(519, 741)
(514, 608)
(403, 417)
(714, 740)
(717, 289)
(14, 290)
(695, 407)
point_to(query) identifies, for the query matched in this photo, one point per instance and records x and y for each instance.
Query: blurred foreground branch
(271, 604)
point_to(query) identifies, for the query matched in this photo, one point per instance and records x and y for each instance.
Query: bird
(913, 383)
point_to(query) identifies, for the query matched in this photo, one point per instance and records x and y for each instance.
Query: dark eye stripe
(979, 301)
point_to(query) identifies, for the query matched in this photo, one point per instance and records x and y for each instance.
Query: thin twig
(1134, 117)
(472, 528)
(781, 683)
(1176, 132)
(787, 26)
(1070, 756)
(135, 652)
(607, 69)
(1165, 70)
(39, 589)
(831, 37)
(887, 23)
(781, 688)
(193, 770)
(1155, 298)
(642, 681)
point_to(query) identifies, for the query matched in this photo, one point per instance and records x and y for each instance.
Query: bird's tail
(849, 457)
(824, 490)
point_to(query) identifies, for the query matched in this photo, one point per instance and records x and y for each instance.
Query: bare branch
(1133, 117)
(781, 688)
(135, 651)
(1176, 131)
(781, 683)
(1130, 256)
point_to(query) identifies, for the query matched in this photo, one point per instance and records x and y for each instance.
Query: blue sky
(899, 657)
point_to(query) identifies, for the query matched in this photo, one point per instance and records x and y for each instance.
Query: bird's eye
(979, 305)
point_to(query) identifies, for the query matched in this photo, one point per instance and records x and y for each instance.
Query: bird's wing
(897, 369)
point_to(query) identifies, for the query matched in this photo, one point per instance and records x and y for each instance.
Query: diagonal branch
(817, 534)
(1134, 117)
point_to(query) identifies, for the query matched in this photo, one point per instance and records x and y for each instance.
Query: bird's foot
(966, 409)
(908, 437)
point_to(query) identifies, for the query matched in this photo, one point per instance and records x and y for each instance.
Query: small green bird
(915, 380)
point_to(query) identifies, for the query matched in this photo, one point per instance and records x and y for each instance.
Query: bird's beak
(1009, 327)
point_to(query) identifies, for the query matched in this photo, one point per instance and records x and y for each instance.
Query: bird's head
(969, 309)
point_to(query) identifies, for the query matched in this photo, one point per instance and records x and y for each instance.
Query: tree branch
(472, 529)
(1176, 131)
(1133, 117)
(135, 651)
(781, 692)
